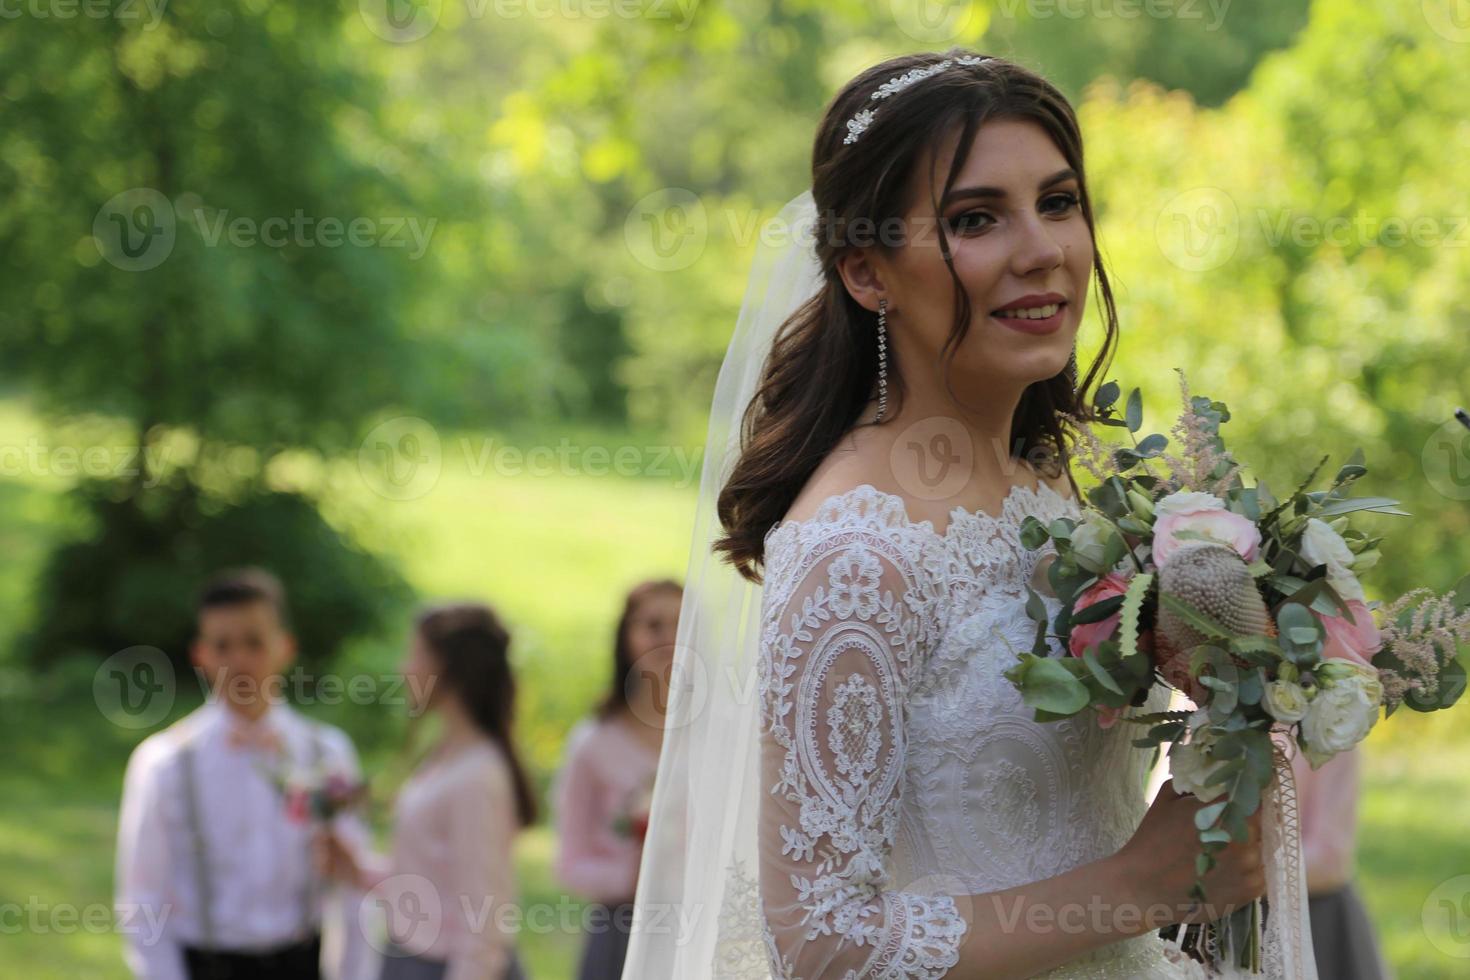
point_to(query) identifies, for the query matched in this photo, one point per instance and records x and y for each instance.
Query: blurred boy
(208, 843)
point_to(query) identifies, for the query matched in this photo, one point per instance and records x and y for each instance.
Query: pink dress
(1343, 935)
(448, 890)
(1328, 801)
(602, 797)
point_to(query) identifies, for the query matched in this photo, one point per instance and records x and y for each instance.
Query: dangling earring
(882, 358)
(1072, 367)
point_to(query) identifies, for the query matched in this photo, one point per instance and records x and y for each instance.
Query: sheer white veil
(696, 916)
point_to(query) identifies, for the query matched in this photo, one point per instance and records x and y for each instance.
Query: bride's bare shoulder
(852, 463)
(1058, 482)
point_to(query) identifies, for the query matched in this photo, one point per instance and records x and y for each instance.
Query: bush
(131, 576)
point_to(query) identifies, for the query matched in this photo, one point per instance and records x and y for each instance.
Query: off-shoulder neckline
(837, 503)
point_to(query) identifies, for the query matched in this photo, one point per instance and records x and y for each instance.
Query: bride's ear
(861, 277)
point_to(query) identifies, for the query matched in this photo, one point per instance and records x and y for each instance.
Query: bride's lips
(1026, 325)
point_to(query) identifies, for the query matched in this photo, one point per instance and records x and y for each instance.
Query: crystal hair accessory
(864, 117)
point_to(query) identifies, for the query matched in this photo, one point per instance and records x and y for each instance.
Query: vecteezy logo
(400, 459)
(668, 687)
(400, 21)
(135, 230)
(1446, 460)
(134, 688)
(1199, 229)
(933, 458)
(1446, 917)
(1450, 19)
(412, 912)
(667, 229)
(933, 21)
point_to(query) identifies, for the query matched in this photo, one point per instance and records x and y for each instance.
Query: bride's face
(1016, 230)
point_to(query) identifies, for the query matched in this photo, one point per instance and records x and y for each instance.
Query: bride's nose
(1035, 249)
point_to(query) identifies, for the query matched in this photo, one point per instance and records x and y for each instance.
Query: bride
(849, 786)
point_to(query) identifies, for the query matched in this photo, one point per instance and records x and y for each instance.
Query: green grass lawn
(554, 554)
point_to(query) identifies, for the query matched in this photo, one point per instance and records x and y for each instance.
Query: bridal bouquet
(1249, 605)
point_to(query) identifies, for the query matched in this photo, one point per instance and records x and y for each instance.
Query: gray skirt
(399, 964)
(607, 942)
(1342, 937)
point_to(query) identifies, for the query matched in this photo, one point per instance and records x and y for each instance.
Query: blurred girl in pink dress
(448, 889)
(605, 787)
(1342, 933)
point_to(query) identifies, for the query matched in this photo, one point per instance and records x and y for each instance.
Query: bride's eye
(1060, 203)
(969, 222)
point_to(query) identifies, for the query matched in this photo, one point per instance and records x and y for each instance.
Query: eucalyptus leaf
(1152, 445)
(1205, 816)
(1046, 684)
(1134, 412)
(1100, 672)
(1251, 687)
(1033, 533)
(1035, 605)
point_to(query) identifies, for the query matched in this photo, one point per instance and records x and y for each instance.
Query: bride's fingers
(1254, 823)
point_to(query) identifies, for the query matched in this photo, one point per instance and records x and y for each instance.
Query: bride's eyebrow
(965, 193)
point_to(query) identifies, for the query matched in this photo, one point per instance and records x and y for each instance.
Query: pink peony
(1225, 526)
(1357, 640)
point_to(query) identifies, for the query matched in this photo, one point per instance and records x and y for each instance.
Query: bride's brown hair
(823, 365)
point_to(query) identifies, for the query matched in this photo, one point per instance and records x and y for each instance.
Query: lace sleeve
(845, 618)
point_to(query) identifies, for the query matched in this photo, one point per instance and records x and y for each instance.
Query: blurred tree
(1304, 258)
(1207, 48)
(196, 237)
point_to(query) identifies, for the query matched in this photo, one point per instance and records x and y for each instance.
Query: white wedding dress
(903, 771)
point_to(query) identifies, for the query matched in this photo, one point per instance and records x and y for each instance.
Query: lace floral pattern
(903, 769)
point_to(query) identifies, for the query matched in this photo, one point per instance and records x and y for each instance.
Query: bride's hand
(1162, 853)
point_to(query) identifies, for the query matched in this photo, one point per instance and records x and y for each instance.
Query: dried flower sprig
(1421, 640)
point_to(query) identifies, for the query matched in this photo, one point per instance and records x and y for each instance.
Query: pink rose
(1225, 526)
(1086, 635)
(1357, 640)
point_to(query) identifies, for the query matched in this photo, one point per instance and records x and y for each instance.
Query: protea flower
(1213, 579)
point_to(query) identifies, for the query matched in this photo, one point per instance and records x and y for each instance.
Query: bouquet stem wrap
(1284, 938)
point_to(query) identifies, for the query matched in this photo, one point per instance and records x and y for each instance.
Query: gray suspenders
(202, 882)
(310, 913)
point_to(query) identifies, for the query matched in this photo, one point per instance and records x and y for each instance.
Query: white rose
(1187, 501)
(1321, 545)
(1090, 542)
(1342, 713)
(1191, 767)
(1285, 700)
